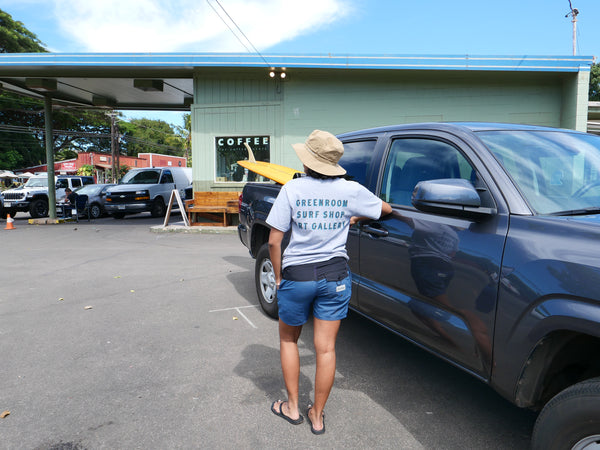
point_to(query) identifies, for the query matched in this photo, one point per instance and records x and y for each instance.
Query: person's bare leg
(290, 367)
(325, 334)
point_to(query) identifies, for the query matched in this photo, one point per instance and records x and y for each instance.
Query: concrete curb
(199, 229)
(48, 221)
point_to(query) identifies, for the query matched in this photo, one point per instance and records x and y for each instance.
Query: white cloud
(191, 25)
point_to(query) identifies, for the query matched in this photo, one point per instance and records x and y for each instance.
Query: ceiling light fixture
(277, 73)
(148, 85)
(41, 84)
(98, 100)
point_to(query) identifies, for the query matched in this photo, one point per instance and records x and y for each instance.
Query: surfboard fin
(250, 153)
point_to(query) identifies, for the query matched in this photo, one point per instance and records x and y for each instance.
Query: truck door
(167, 184)
(432, 278)
(357, 159)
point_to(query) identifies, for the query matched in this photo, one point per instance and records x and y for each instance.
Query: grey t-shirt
(318, 212)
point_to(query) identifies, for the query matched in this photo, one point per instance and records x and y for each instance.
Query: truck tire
(95, 211)
(571, 420)
(158, 208)
(118, 215)
(38, 208)
(4, 212)
(264, 279)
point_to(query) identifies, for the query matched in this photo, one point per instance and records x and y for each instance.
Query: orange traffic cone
(9, 223)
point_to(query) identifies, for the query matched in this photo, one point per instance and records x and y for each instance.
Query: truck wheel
(38, 208)
(95, 211)
(4, 212)
(118, 216)
(158, 208)
(264, 279)
(571, 420)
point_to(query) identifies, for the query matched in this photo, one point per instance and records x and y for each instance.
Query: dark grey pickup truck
(490, 259)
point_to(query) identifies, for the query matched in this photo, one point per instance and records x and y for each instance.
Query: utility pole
(114, 147)
(573, 13)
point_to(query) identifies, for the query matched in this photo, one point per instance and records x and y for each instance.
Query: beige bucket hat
(321, 153)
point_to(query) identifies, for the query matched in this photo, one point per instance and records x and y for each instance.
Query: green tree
(149, 136)
(19, 149)
(22, 128)
(15, 38)
(22, 118)
(185, 134)
(594, 93)
(85, 170)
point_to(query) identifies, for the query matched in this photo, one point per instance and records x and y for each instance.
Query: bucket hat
(321, 153)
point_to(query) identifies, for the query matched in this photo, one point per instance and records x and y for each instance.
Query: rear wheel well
(560, 360)
(260, 235)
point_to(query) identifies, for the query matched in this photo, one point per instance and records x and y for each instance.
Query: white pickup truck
(32, 197)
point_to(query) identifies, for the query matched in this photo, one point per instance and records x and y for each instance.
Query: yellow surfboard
(275, 172)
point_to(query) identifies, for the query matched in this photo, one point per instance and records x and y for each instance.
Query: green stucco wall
(250, 103)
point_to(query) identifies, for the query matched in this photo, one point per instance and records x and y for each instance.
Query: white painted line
(239, 311)
(235, 307)
(247, 320)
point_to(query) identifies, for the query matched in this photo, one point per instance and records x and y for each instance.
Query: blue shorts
(328, 300)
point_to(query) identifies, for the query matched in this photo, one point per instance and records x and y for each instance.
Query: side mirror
(450, 196)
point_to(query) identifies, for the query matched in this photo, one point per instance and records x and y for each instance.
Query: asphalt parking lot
(116, 337)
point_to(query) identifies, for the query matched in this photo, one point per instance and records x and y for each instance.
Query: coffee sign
(231, 149)
(237, 142)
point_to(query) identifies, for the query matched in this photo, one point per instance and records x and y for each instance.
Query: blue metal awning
(186, 61)
(107, 79)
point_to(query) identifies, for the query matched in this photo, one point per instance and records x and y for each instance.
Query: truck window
(61, 183)
(167, 177)
(411, 160)
(141, 177)
(356, 160)
(76, 182)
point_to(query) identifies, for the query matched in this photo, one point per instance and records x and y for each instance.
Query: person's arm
(386, 209)
(275, 240)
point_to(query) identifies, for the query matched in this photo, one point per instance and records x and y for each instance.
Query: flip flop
(281, 414)
(312, 429)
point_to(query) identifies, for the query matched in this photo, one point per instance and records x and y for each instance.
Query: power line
(239, 29)
(85, 134)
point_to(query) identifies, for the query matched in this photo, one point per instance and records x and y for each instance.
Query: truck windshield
(37, 182)
(556, 172)
(141, 177)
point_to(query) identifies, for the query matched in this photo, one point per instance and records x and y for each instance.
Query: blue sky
(417, 27)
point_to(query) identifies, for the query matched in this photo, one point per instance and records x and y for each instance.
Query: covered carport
(121, 82)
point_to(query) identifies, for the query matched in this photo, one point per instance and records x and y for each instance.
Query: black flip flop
(281, 414)
(312, 429)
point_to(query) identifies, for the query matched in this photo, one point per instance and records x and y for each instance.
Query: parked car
(490, 259)
(96, 194)
(147, 189)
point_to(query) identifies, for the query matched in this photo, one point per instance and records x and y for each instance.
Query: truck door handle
(375, 231)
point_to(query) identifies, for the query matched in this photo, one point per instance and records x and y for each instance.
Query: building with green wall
(352, 95)
(233, 97)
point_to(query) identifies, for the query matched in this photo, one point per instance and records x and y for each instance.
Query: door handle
(373, 231)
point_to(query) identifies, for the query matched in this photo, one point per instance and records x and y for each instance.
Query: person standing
(313, 275)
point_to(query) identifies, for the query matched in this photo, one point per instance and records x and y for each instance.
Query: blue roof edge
(324, 61)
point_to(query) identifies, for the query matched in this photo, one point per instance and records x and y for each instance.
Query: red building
(101, 162)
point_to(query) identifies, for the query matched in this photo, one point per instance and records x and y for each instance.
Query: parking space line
(239, 311)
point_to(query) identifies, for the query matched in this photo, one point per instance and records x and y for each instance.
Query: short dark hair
(319, 176)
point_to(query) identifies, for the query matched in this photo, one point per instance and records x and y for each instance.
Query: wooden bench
(214, 206)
